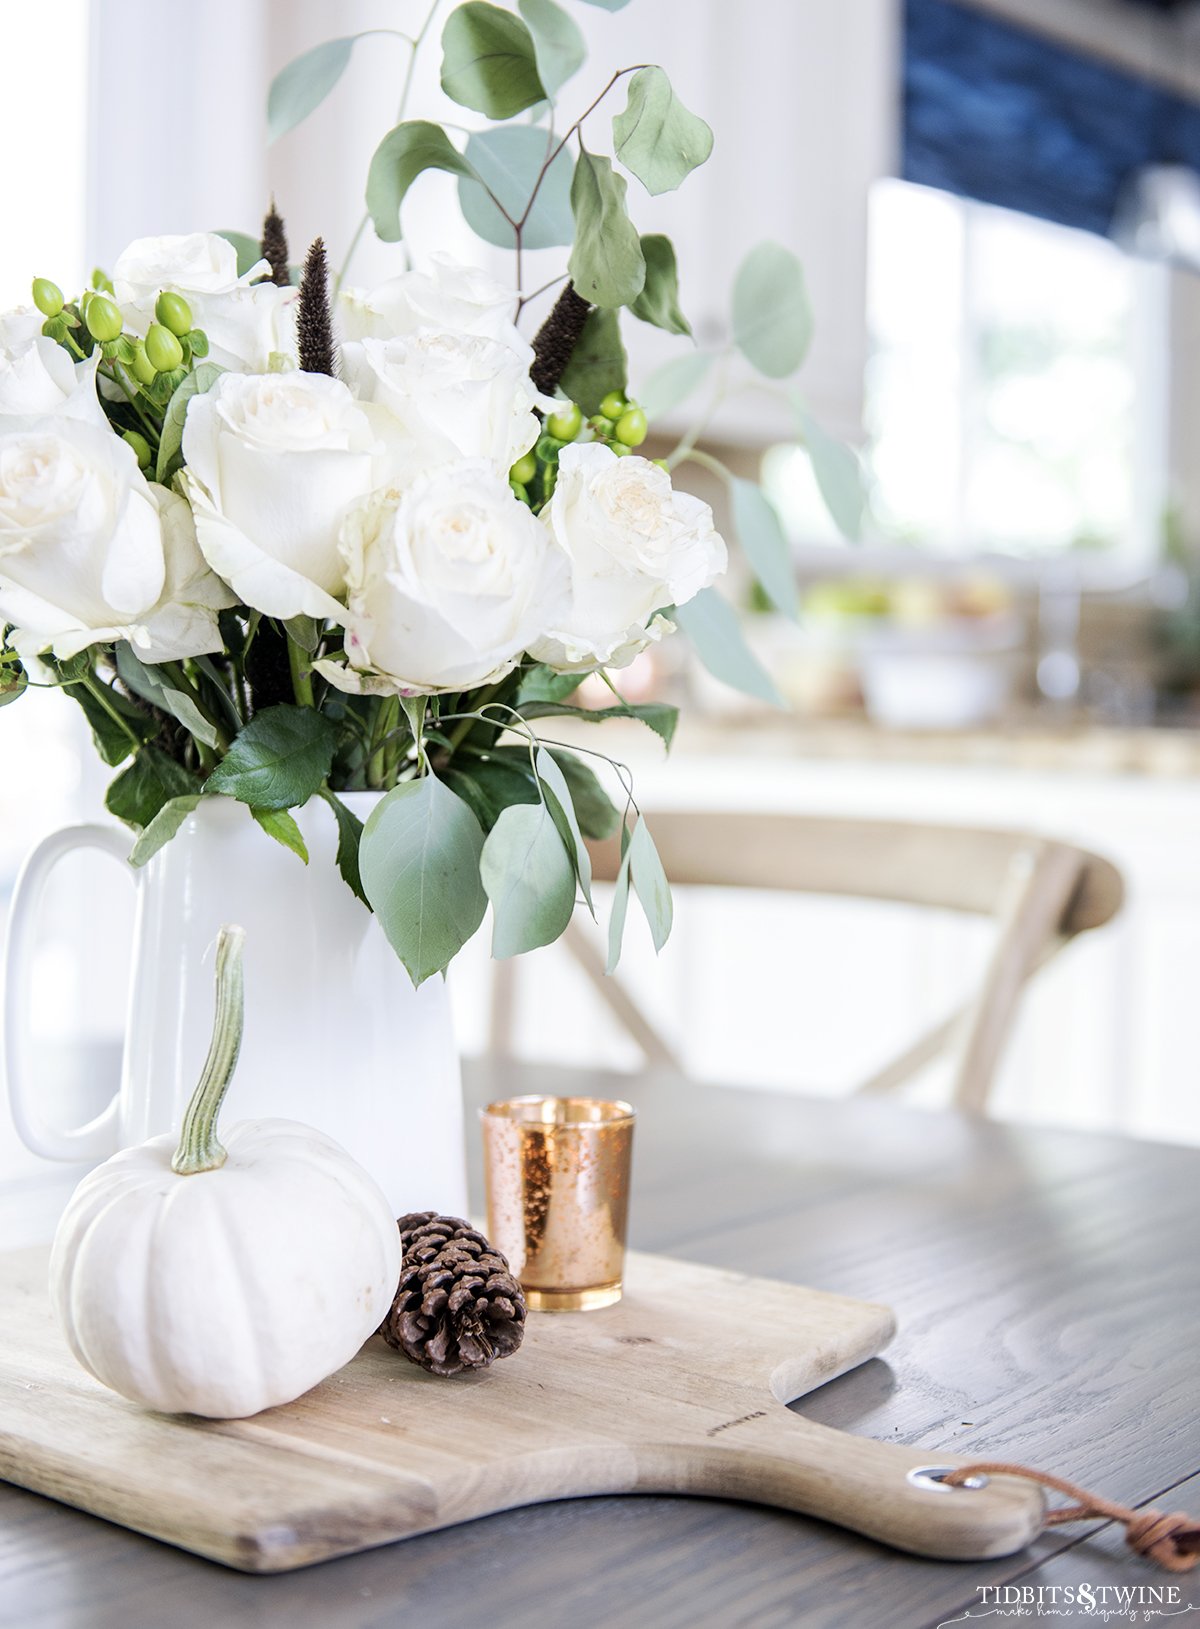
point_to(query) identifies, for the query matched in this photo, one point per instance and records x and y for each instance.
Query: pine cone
(458, 1306)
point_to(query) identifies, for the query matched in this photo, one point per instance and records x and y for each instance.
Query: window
(1016, 392)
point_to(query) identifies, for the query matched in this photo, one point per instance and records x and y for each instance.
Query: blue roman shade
(1011, 117)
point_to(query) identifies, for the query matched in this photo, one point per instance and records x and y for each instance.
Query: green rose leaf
(594, 809)
(508, 161)
(606, 261)
(529, 879)
(279, 824)
(249, 250)
(146, 683)
(304, 84)
(562, 810)
(656, 137)
(713, 628)
(118, 726)
(420, 856)
(598, 363)
(162, 828)
(672, 383)
(147, 786)
(558, 42)
(650, 884)
(659, 300)
(13, 678)
(838, 474)
(544, 684)
(489, 62)
(279, 760)
(493, 783)
(350, 830)
(405, 153)
(772, 319)
(655, 715)
(192, 384)
(760, 532)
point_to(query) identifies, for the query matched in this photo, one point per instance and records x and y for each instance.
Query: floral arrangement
(282, 539)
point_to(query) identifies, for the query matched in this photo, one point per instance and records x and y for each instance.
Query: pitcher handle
(98, 1138)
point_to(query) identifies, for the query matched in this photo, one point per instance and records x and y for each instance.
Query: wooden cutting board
(677, 1389)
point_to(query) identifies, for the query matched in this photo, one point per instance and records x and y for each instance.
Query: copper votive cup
(556, 1171)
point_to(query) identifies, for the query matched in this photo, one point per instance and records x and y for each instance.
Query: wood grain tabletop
(1047, 1286)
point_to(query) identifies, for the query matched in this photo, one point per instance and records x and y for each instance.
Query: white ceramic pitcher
(335, 1033)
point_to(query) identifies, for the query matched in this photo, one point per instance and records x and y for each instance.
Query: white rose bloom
(634, 545)
(274, 462)
(90, 552)
(450, 396)
(448, 582)
(445, 295)
(37, 375)
(245, 324)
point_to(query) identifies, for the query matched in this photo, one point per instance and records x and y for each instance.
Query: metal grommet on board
(933, 1478)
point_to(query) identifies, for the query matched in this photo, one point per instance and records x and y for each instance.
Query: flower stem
(301, 674)
(199, 1147)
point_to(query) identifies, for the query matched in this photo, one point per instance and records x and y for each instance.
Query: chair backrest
(1042, 892)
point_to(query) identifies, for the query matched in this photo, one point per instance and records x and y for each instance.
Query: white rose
(245, 324)
(274, 462)
(450, 395)
(445, 295)
(90, 552)
(37, 376)
(634, 545)
(448, 583)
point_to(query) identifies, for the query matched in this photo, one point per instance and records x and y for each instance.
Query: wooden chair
(1041, 892)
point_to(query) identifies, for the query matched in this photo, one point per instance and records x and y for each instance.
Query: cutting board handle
(881, 1489)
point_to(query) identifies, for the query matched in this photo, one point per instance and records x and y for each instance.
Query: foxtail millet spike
(275, 247)
(557, 338)
(314, 322)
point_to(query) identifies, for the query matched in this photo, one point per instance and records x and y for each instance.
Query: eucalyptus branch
(687, 444)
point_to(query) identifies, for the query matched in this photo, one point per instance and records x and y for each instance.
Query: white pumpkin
(221, 1281)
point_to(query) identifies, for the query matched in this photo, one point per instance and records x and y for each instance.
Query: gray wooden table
(1048, 1291)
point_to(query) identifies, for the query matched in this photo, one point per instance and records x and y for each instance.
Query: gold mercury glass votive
(556, 1171)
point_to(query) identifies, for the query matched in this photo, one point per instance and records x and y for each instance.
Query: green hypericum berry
(613, 405)
(142, 368)
(102, 318)
(566, 424)
(524, 470)
(47, 296)
(619, 447)
(163, 350)
(603, 427)
(520, 490)
(631, 427)
(173, 311)
(140, 446)
(661, 463)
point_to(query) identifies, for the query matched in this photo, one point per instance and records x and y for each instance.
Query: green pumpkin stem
(199, 1147)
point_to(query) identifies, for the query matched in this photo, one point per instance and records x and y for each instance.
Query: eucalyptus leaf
(650, 884)
(608, 5)
(656, 137)
(405, 153)
(671, 384)
(145, 682)
(772, 319)
(529, 879)
(151, 781)
(562, 809)
(304, 84)
(598, 363)
(508, 161)
(838, 474)
(713, 628)
(760, 532)
(594, 809)
(658, 716)
(162, 828)
(419, 859)
(279, 760)
(620, 907)
(305, 632)
(249, 250)
(489, 62)
(350, 830)
(200, 379)
(606, 263)
(558, 43)
(280, 825)
(658, 302)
